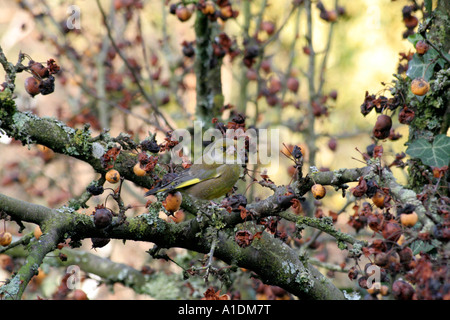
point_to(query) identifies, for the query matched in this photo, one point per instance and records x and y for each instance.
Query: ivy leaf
(433, 155)
(422, 66)
(419, 246)
(414, 38)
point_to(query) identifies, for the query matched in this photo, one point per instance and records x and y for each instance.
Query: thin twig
(135, 76)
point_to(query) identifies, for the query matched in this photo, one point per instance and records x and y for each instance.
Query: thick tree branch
(287, 271)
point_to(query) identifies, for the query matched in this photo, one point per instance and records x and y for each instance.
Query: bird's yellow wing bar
(193, 181)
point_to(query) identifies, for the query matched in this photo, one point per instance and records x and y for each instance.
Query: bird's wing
(188, 178)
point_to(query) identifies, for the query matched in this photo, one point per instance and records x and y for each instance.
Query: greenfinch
(211, 177)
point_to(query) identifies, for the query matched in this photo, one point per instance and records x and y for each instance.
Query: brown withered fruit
(422, 47)
(102, 217)
(382, 127)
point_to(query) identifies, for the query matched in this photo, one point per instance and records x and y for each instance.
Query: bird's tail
(153, 191)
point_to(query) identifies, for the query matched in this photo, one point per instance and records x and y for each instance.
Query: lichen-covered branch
(77, 143)
(54, 228)
(273, 261)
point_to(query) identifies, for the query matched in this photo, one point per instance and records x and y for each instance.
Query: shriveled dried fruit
(381, 259)
(243, 238)
(234, 202)
(102, 217)
(392, 231)
(38, 69)
(95, 189)
(150, 145)
(406, 115)
(411, 22)
(422, 47)
(99, 242)
(32, 86)
(406, 255)
(47, 86)
(353, 273)
(361, 189)
(382, 127)
(402, 290)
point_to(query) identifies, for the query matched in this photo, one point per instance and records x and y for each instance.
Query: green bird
(212, 177)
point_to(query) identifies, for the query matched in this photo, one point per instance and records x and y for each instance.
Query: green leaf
(419, 246)
(414, 38)
(433, 155)
(422, 66)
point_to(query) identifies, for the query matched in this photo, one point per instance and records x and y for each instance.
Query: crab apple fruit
(99, 242)
(183, 13)
(112, 176)
(47, 86)
(38, 69)
(173, 201)
(178, 216)
(137, 169)
(392, 231)
(208, 8)
(32, 86)
(37, 232)
(318, 191)
(102, 218)
(268, 27)
(5, 239)
(420, 86)
(411, 22)
(292, 84)
(382, 128)
(378, 199)
(402, 290)
(422, 47)
(409, 219)
(79, 294)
